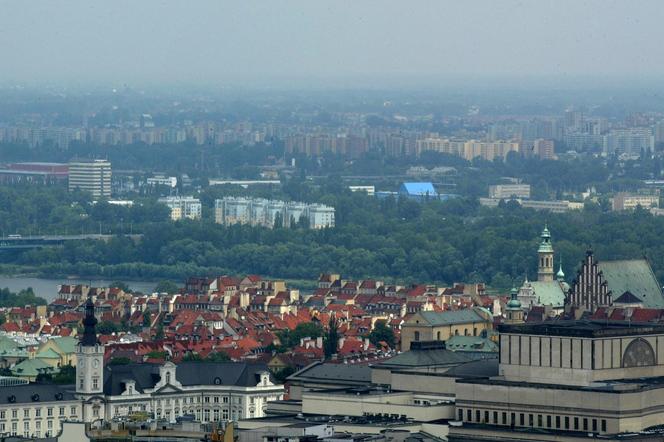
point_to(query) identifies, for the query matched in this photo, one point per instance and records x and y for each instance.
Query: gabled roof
(448, 317)
(635, 276)
(627, 298)
(549, 293)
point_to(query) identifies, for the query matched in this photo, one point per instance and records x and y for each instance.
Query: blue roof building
(418, 191)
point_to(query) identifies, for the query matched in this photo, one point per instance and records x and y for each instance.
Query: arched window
(438, 336)
(168, 377)
(639, 353)
(417, 336)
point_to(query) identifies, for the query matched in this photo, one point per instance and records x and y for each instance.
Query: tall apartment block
(183, 207)
(263, 212)
(92, 176)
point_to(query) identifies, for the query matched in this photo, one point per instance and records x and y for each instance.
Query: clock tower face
(81, 362)
(95, 363)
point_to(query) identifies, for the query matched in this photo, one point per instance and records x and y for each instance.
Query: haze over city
(343, 43)
(331, 221)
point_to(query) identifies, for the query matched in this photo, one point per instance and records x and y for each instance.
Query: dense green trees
(393, 239)
(382, 332)
(20, 299)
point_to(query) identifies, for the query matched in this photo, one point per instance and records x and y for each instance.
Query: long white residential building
(268, 213)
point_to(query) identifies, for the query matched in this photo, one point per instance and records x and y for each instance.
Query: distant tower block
(545, 254)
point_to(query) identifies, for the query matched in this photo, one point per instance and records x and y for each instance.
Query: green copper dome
(514, 303)
(545, 245)
(560, 275)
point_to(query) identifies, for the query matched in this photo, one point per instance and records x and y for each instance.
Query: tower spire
(89, 338)
(545, 256)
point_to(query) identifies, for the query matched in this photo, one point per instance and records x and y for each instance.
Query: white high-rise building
(91, 176)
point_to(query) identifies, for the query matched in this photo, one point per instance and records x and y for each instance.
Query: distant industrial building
(629, 201)
(161, 180)
(506, 191)
(34, 173)
(369, 190)
(183, 207)
(268, 213)
(555, 206)
(92, 176)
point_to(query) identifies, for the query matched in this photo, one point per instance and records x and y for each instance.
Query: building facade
(183, 207)
(561, 380)
(268, 213)
(91, 176)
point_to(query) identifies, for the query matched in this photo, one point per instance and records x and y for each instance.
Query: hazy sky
(208, 41)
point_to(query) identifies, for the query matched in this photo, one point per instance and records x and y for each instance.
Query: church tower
(545, 255)
(89, 356)
(513, 312)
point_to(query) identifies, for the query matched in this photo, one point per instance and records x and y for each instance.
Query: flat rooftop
(583, 328)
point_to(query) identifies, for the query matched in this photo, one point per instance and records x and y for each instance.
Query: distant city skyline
(342, 43)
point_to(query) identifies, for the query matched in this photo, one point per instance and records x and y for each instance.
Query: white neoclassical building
(209, 391)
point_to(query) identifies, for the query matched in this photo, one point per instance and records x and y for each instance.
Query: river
(48, 288)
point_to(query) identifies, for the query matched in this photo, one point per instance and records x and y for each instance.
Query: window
(513, 419)
(2, 414)
(72, 411)
(438, 336)
(14, 414)
(576, 423)
(603, 425)
(61, 411)
(80, 384)
(469, 415)
(95, 411)
(585, 424)
(168, 377)
(594, 425)
(460, 413)
(417, 336)
(225, 399)
(49, 412)
(26, 413)
(504, 418)
(95, 383)
(474, 331)
(206, 399)
(216, 399)
(206, 415)
(495, 417)
(522, 420)
(38, 425)
(465, 332)
(486, 416)
(566, 422)
(557, 421)
(14, 428)
(37, 412)
(548, 421)
(539, 420)
(224, 414)
(49, 424)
